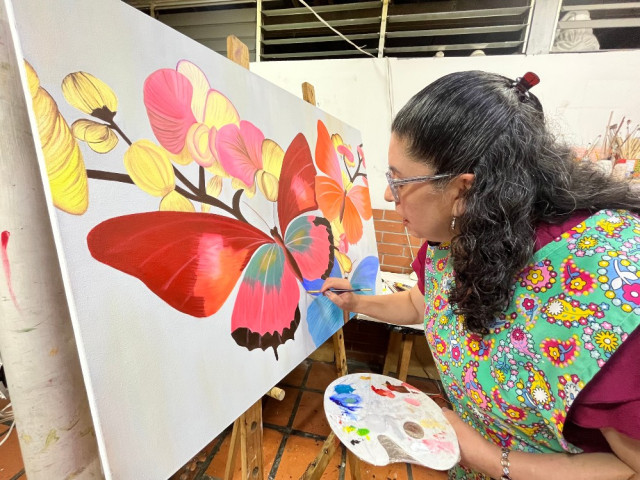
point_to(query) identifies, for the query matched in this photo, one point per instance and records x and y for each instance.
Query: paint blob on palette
(383, 420)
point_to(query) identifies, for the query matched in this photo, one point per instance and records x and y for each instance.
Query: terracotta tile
(296, 376)
(395, 471)
(321, 375)
(424, 473)
(310, 416)
(270, 444)
(271, 440)
(10, 454)
(278, 412)
(298, 454)
(219, 461)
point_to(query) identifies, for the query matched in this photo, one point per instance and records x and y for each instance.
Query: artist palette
(383, 420)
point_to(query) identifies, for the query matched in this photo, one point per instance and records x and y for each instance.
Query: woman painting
(529, 283)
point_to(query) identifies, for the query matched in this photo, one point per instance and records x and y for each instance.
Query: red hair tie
(524, 83)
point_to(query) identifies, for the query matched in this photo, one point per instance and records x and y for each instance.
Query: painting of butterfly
(193, 261)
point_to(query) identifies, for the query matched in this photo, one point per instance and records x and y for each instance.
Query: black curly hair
(475, 122)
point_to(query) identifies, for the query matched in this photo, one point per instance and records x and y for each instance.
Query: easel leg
(392, 348)
(341, 366)
(405, 356)
(247, 432)
(319, 465)
(251, 442)
(233, 450)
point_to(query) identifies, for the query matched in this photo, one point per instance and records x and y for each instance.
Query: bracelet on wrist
(504, 463)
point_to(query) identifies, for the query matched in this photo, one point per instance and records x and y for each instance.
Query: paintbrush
(341, 290)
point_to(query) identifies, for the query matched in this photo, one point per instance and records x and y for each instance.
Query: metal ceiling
(285, 29)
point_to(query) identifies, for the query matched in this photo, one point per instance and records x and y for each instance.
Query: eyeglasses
(394, 183)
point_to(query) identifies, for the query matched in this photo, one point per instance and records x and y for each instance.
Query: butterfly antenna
(266, 224)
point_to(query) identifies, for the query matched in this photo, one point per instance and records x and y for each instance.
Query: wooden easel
(246, 434)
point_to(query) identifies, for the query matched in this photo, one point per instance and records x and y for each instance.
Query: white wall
(578, 92)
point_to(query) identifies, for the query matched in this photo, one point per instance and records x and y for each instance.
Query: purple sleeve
(418, 265)
(610, 399)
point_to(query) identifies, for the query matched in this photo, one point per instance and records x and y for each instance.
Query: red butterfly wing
(266, 311)
(190, 260)
(296, 190)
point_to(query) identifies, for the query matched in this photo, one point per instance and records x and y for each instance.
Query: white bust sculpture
(575, 39)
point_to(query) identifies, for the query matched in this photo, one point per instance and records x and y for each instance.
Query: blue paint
(349, 402)
(343, 389)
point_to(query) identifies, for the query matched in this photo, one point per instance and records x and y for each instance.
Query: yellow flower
(98, 136)
(175, 202)
(150, 168)
(267, 177)
(535, 276)
(63, 159)
(606, 340)
(341, 246)
(90, 95)
(32, 79)
(554, 352)
(342, 149)
(585, 243)
(344, 261)
(578, 283)
(199, 135)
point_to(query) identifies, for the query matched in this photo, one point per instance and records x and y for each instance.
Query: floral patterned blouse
(572, 308)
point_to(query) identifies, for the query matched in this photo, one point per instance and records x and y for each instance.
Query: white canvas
(163, 383)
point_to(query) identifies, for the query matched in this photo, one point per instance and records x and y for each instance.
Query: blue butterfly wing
(323, 317)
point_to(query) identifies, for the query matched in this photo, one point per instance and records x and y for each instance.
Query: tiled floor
(10, 459)
(294, 430)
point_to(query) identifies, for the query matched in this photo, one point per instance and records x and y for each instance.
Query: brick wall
(394, 249)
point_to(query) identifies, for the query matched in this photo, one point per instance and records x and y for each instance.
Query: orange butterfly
(337, 196)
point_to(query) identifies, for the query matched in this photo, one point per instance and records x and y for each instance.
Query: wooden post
(38, 348)
(237, 51)
(308, 93)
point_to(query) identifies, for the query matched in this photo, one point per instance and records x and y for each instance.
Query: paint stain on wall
(52, 438)
(4, 242)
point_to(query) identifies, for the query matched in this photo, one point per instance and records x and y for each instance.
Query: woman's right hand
(346, 301)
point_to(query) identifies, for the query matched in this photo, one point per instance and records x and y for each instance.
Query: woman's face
(426, 210)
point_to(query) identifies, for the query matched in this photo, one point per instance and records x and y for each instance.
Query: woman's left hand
(475, 451)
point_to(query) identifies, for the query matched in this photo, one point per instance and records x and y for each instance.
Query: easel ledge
(247, 428)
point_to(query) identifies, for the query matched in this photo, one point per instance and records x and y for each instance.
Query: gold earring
(453, 224)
